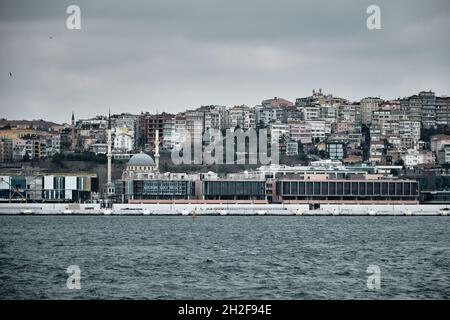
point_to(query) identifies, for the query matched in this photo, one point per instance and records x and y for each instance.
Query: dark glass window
(398, 188)
(415, 189)
(332, 188)
(362, 188)
(316, 188)
(354, 188)
(340, 188)
(324, 188)
(347, 190)
(391, 188)
(301, 188)
(376, 189)
(406, 188)
(294, 188)
(309, 188)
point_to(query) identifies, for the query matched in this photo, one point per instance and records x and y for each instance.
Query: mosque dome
(141, 160)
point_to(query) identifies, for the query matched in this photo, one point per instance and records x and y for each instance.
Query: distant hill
(34, 124)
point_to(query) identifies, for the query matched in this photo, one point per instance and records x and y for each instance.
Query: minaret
(109, 155)
(73, 135)
(157, 150)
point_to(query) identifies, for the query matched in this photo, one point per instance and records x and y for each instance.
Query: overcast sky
(171, 55)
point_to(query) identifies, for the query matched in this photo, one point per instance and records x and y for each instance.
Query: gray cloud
(173, 55)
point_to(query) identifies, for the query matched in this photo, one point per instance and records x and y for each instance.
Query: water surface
(152, 257)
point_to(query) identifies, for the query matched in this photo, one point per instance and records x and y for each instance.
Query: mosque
(141, 166)
(142, 179)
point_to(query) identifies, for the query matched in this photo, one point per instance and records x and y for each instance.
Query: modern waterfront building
(156, 189)
(320, 182)
(346, 191)
(225, 189)
(60, 187)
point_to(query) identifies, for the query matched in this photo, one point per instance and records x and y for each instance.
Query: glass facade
(348, 190)
(437, 197)
(163, 189)
(52, 188)
(229, 189)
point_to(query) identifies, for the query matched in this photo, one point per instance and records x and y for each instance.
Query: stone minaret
(109, 155)
(157, 149)
(73, 135)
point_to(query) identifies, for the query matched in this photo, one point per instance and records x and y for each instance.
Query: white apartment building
(319, 129)
(267, 115)
(328, 113)
(213, 120)
(300, 131)
(409, 129)
(376, 151)
(443, 155)
(179, 134)
(19, 149)
(414, 157)
(53, 145)
(349, 113)
(311, 113)
(168, 133)
(278, 131)
(123, 139)
(292, 148)
(194, 126)
(241, 116)
(439, 141)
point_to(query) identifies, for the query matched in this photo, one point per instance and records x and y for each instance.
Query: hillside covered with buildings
(405, 138)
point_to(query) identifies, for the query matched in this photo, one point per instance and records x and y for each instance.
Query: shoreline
(178, 209)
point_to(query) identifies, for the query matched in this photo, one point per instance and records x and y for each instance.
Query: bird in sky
(10, 74)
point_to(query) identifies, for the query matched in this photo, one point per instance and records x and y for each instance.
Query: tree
(300, 147)
(365, 130)
(26, 157)
(323, 154)
(426, 134)
(57, 160)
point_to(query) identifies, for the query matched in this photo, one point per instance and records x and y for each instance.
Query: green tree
(26, 157)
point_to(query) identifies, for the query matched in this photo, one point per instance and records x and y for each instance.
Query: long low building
(323, 182)
(347, 191)
(223, 189)
(49, 188)
(155, 189)
(283, 190)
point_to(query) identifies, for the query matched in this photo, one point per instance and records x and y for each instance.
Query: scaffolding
(13, 191)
